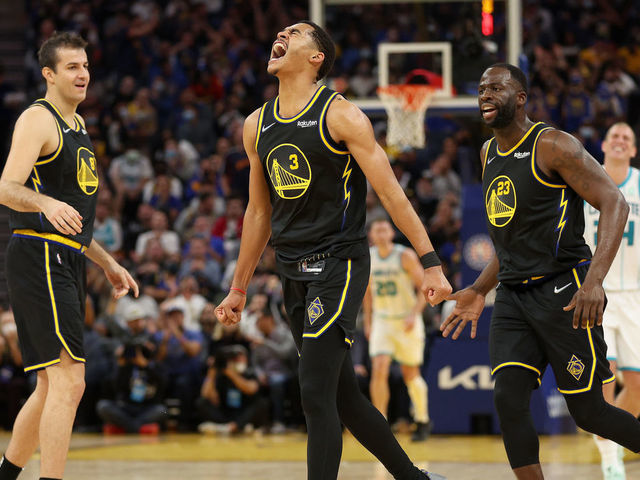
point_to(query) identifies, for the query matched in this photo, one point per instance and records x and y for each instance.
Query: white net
(406, 106)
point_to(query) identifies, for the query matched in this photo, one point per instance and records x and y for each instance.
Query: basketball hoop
(406, 106)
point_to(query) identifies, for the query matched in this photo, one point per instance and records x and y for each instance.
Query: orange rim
(410, 97)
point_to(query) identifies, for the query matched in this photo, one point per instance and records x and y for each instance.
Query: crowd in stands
(172, 81)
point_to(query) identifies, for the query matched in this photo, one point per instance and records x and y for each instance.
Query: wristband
(430, 259)
(238, 290)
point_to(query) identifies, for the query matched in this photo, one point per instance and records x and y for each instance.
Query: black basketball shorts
(321, 294)
(47, 281)
(530, 329)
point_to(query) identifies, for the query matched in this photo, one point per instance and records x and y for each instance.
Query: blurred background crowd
(172, 81)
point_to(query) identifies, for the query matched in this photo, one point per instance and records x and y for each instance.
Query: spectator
(228, 228)
(179, 355)
(273, 353)
(199, 264)
(106, 228)
(229, 399)
(139, 388)
(128, 174)
(141, 116)
(189, 301)
(159, 229)
(157, 272)
(162, 198)
(445, 180)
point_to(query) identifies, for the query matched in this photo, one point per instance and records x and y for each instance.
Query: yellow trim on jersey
(339, 311)
(486, 154)
(533, 279)
(609, 380)
(515, 364)
(260, 125)
(41, 365)
(54, 308)
(321, 124)
(53, 237)
(524, 137)
(533, 164)
(593, 352)
(52, 156)
(304, 110)
(63, 119)
(79, 121)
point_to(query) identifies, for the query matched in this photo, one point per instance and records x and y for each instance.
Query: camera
(132, 345)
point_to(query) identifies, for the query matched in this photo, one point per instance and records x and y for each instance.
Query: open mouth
(278, 50)
(489, 112)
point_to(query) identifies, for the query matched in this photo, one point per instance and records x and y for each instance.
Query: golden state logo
(86, 171)
(289, 171)
(500, 201)
(315, 310)
(575, 367)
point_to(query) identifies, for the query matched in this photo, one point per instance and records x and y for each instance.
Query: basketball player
(549, 304)
(393, 322)
(311, 153)
(622, 286)
(50, 183)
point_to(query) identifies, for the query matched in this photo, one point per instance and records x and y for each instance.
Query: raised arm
(35, 134)
(561, 155)
(256, 228)
(348, 124)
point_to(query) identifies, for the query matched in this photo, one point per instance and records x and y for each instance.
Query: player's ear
(48, 74)
(317, 58)
(521, 98)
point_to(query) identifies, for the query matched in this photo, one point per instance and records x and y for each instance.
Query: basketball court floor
(266, 457)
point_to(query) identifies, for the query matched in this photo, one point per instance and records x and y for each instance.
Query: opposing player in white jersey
(393, 322)
(622, 285)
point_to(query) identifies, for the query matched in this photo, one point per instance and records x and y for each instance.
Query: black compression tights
(511, 396)
(591, 412)
(330, 394)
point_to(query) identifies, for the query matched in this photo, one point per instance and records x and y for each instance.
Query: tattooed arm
(560, 155)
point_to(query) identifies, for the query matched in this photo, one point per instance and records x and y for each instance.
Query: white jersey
(624, 273)
(391, 286)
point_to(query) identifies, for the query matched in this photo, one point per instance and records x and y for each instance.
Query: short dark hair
(325, 45)
(517, 74)
(48, 53)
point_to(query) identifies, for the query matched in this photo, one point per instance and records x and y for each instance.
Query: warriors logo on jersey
(315, 310)
(86, 171)
(500, 201)
(289, 171)
(575, 367)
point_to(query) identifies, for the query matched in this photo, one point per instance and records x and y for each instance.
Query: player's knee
(69, 387)
(314, 401)
(511, 401)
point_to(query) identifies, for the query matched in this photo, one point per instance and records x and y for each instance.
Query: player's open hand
(230, 309)
(435, 285)
(469, 305)
(62, 216)
(121, 280)
(588, 303)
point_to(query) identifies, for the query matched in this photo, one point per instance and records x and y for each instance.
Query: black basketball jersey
(535, 222)
(317, 189)
(69, 174)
